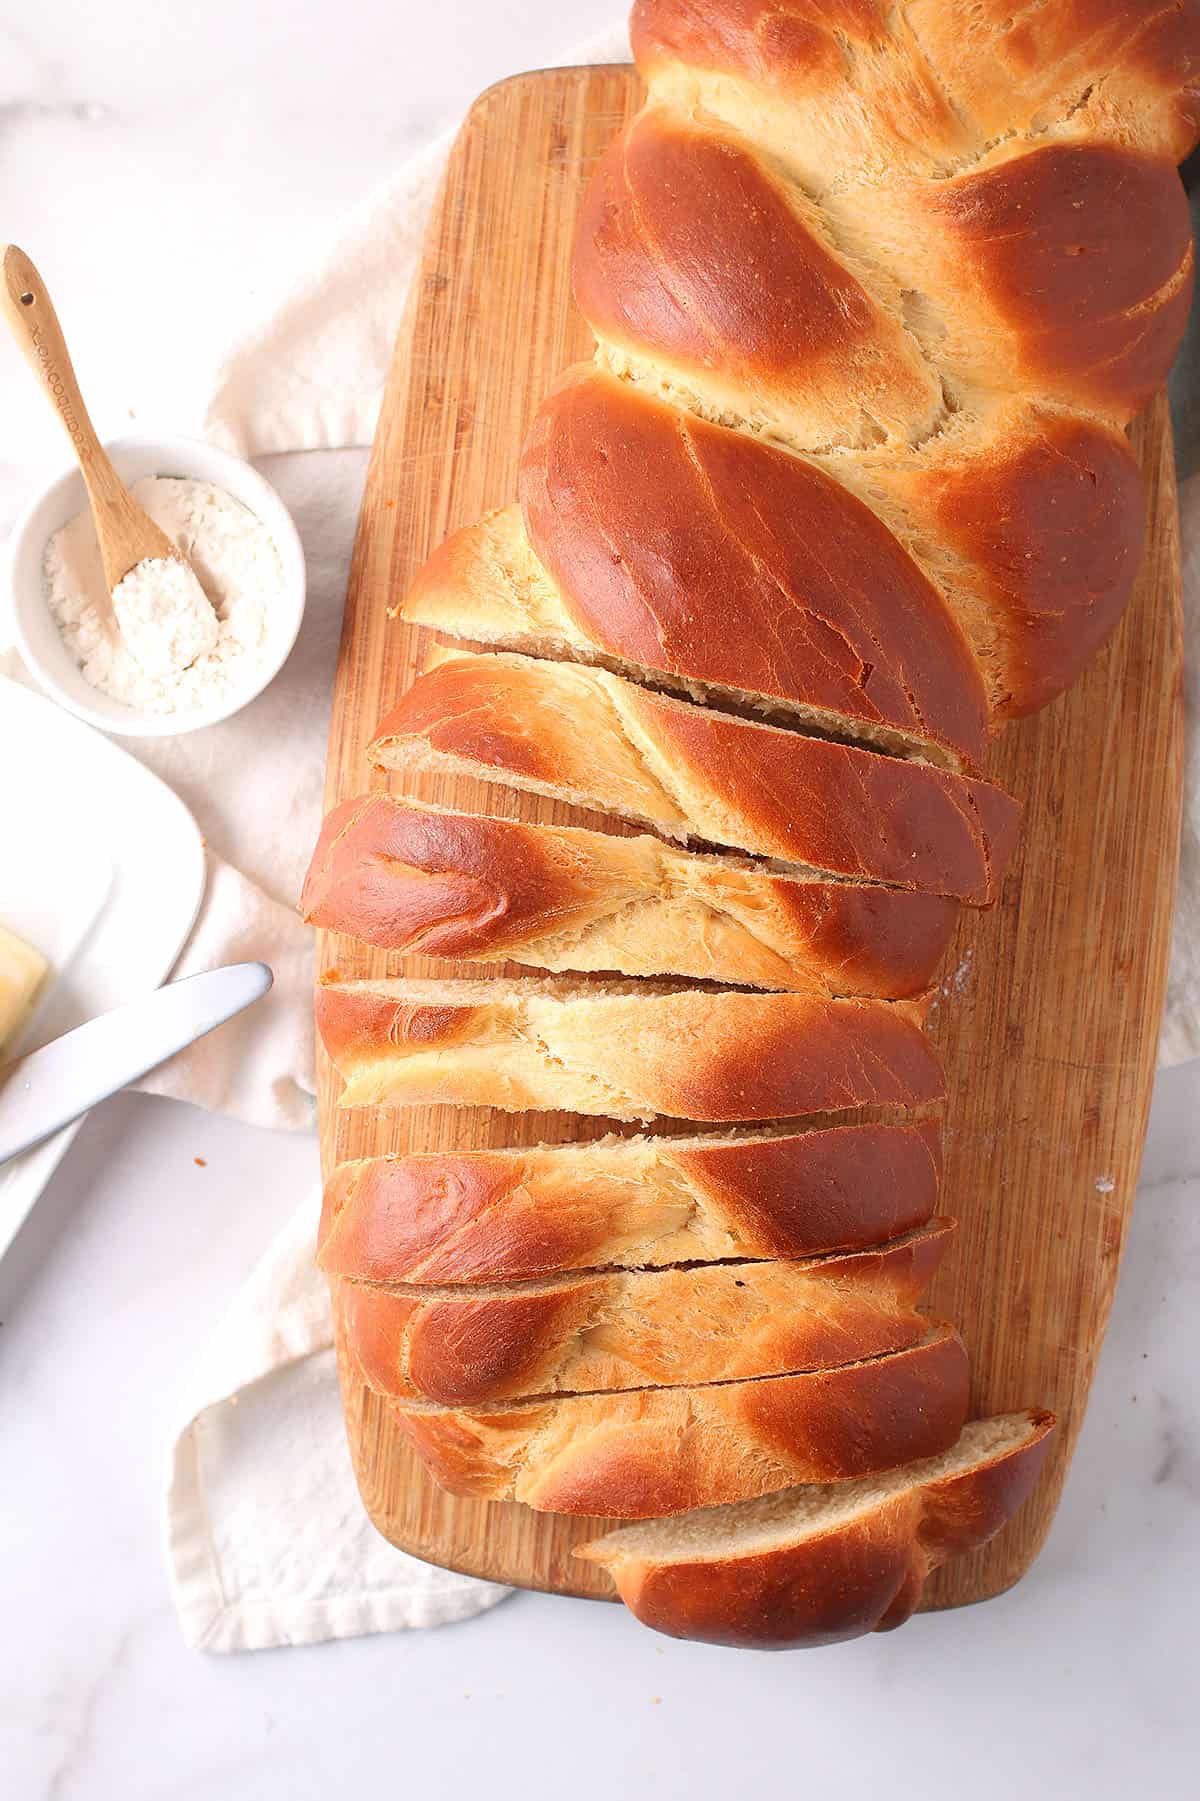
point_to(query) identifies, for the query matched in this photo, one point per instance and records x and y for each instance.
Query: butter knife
(41, 1093)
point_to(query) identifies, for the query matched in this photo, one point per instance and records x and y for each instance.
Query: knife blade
(49, 1088)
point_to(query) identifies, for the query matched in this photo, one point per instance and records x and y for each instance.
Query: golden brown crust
(832, 1580)
(1074, 265)
(789, 336)
(1122, 71)
(606, 1454)
(683, 547)
(1038, 529)
(642, 1328)
(631, 1055)
(1029, 523)
(1064, 269)
(925, 92)
(794, 53)
(496, 1216)
(1061, 268)
(411, 878)
(696, 773)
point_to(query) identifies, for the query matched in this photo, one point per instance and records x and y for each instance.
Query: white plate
(103, 871)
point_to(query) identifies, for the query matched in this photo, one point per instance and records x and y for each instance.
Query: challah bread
(812, 1566)
(412, 878)
(648, 1451)
(587, 736)
(626, 1329)
(628, 1051)
(633, 1203)
(875, 291)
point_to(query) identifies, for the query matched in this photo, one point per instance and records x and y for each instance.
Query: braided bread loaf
(875, 289)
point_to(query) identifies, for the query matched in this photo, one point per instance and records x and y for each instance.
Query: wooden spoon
(166, 639)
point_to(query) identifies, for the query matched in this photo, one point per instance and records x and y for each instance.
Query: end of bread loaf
(817, 1565)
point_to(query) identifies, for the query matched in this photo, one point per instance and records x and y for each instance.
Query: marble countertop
(164, 166)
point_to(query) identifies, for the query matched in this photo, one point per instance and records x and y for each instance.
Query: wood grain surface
(1049, 1012)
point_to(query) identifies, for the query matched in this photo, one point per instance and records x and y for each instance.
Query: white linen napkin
(267, 1541)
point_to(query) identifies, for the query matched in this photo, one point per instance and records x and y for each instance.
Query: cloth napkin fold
(267, 1540)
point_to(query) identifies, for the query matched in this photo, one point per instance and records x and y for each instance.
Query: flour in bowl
(165, 616)
(238, 566)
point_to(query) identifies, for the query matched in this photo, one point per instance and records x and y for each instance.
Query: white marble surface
(165, 165)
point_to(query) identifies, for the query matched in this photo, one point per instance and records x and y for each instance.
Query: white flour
(164, 615)
(234, 556)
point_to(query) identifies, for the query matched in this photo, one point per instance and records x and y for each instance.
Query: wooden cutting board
(1049, 1016)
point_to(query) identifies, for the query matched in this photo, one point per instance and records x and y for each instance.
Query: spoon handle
(30, 313)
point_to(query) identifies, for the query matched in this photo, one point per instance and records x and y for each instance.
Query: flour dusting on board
(956, 982)
(239, 569)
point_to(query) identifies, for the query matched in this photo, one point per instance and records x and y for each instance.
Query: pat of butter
(22, 972)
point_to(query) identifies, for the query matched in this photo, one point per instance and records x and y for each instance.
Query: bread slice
(650, 1451)
(588, 737)
(413, 878)
(811, 1566)
(629, 1051)
(728, 580)
(581, 1334)
(630, 1203)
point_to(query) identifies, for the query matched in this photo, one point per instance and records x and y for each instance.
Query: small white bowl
(37, 637)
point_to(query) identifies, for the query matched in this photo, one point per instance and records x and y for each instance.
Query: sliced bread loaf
(418, 879)
(694, 773)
